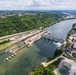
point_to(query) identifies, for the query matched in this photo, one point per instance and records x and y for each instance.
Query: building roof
(73, 70)
(74, 46)
(71, 37)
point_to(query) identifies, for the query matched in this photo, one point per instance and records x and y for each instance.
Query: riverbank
(5, 45)
(59, 20)
(70, 48)
(40, 70)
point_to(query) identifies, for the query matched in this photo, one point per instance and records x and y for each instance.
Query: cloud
(37, 4)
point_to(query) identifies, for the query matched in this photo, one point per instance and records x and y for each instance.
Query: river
(28, 58)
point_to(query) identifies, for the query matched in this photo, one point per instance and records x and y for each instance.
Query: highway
(13, 35)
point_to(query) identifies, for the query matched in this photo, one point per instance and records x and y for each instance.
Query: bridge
(53, 39)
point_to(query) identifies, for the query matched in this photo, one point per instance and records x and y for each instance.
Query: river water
(28, 58)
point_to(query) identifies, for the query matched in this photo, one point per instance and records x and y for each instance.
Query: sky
(37, 4)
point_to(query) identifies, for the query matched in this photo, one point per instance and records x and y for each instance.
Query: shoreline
(45, 63)
(13, 43)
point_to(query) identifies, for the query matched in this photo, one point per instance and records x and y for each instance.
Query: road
(45, 64)
(8, 36)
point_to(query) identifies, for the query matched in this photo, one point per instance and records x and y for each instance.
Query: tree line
(16, 24)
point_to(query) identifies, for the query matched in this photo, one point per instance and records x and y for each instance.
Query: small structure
(66, 64)
(13, 49)
(67, 50)
(6, 50)
(12, 55)
(74, 45)
(70, 38)
(7, 59)
(41, 28)
(72, 70)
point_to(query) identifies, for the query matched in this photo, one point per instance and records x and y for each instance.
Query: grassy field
(2, 46)
(74, 26)
(74, 55)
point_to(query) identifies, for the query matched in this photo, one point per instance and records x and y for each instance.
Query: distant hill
(15, 24)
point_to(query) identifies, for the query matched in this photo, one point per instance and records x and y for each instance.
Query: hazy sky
(37, 4)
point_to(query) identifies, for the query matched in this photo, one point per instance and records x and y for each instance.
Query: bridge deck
(54, 39)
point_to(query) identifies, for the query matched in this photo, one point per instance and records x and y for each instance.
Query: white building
(74, 46)
(73, 70)
(70, 38)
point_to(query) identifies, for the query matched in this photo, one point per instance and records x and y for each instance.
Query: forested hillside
(16, 24)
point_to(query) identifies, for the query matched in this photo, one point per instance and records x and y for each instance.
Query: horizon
(37, 5)
(37, 10)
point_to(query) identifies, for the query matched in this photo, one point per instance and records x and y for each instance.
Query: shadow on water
(46, 48)
(2, 53)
